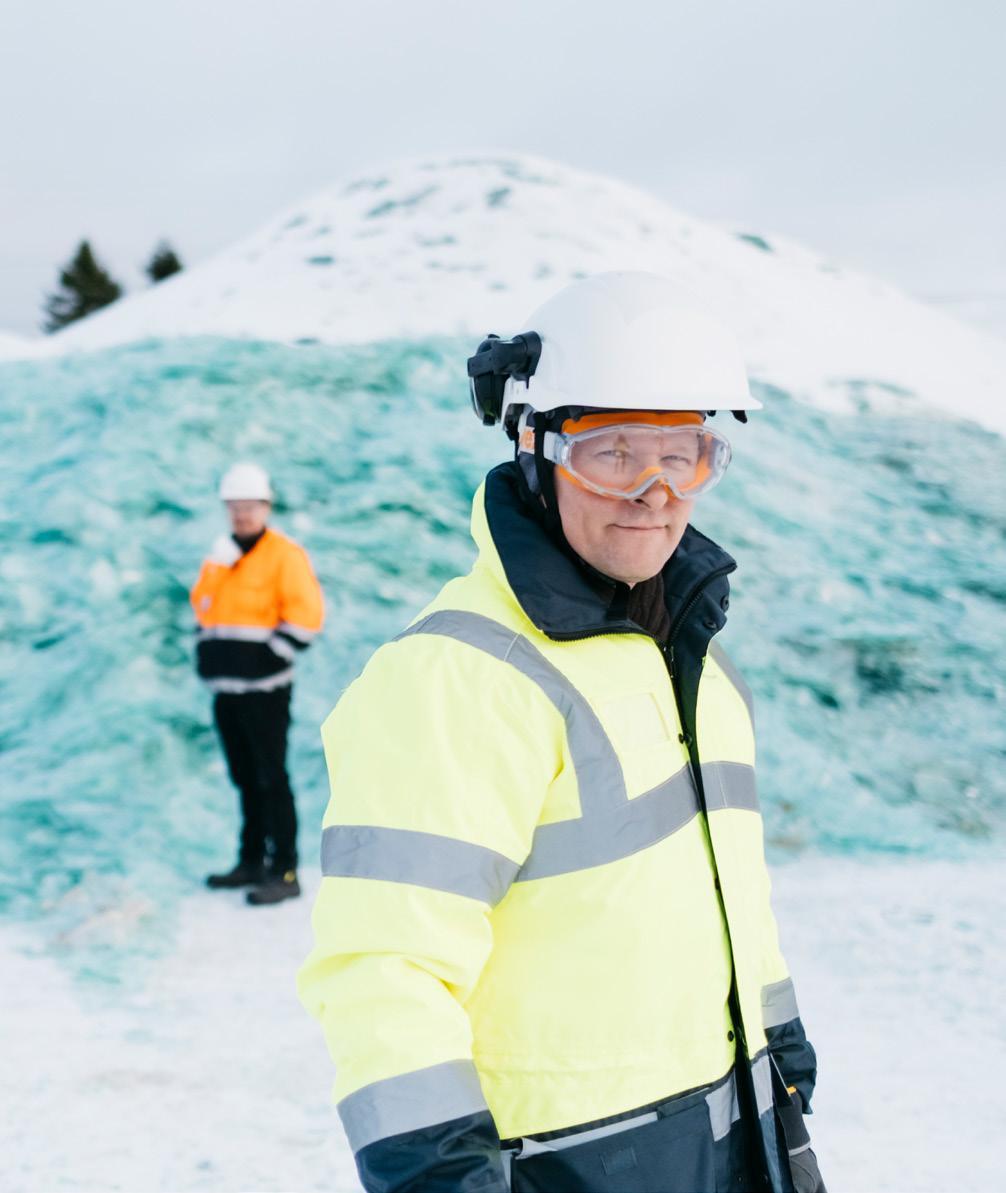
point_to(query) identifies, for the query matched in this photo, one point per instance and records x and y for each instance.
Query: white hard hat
(630, 341)
(245, 482)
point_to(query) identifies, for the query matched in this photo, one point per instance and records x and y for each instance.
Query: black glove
(805, 1172)
(802, 1161)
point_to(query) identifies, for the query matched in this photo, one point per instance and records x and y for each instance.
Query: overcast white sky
(871, 130)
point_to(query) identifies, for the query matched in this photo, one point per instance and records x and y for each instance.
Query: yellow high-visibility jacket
(255, 613)
(525, 907)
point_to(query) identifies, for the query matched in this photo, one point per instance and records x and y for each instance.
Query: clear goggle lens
(625, 459)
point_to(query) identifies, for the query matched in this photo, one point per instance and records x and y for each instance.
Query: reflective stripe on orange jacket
(255, 614)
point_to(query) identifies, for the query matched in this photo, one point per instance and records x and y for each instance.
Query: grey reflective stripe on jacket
(724, 1107)
(778, 1003)
(304, 636)
(237, 687)
(411, 1101)
(234, 633)
(611, 826)
(729, 785)
(422, 859)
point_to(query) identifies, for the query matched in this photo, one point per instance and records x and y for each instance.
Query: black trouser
(253, 730)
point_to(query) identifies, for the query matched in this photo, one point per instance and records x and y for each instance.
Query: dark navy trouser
(253, 729)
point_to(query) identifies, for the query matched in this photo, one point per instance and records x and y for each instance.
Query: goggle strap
(549, 443)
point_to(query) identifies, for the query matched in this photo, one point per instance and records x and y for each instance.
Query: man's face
(247, 517)
(628, 540)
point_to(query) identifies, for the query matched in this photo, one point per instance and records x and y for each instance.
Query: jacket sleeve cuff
(795, 1058)
(398, 1148)
(792, 1052)
(452, 1157)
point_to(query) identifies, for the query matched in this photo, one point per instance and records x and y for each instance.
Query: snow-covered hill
(15, 347)
(467, 245)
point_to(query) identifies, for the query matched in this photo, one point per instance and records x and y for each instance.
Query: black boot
(243, 874)
(275, 889)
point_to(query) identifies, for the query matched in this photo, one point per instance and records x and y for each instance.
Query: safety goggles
(622, 455)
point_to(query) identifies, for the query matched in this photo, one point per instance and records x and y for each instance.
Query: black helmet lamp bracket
(494, 362)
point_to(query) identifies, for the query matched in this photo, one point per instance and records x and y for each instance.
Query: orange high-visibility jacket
(255, 614)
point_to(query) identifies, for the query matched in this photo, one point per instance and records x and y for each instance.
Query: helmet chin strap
(536, 479)
(545, 472)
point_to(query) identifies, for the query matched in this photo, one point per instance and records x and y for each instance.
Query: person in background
(257, 604)
(545, 956)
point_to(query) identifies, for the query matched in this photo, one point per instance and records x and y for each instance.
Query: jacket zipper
(695, 595)
(742, 1064)
(694, 766)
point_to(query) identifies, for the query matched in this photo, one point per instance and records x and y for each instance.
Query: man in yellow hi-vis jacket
(545, 957)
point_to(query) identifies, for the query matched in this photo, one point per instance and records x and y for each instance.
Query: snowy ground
(208, 1076)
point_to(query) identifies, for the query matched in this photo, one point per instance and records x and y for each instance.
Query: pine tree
(163, 263)
(86, 286)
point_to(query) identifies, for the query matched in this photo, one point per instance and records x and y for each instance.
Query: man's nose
(655, 497)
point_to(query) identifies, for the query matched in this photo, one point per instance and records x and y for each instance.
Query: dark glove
(805, 1172)
(802, 1161)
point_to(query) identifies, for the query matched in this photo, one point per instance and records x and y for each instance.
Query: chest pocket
(644, 731)
(253, 596)
(637, 721)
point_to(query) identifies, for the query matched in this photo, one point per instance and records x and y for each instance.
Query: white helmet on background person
(245, 482)
(616, 341)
